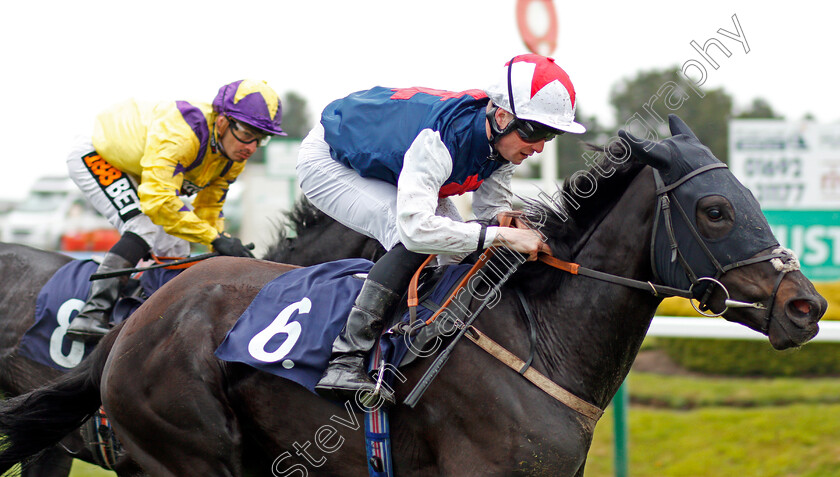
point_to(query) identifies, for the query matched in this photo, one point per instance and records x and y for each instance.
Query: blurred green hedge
(752, 358)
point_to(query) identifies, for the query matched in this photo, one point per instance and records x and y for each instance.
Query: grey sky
(62, 62)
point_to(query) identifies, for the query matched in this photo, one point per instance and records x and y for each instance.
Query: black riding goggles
(530, 131)
(245, 135)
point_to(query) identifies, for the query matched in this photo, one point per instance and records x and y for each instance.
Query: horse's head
(711, 237)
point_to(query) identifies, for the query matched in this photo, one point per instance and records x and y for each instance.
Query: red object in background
(99, 240)
(541, 43)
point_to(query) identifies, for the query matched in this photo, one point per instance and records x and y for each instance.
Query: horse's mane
(302, 217)
(567, 218)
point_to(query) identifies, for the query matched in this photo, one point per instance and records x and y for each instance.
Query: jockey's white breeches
(120, 205)
(366, 205)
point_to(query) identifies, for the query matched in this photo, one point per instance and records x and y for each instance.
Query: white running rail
(681, 327)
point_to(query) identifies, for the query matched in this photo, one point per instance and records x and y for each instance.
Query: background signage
(793, 169)
(814, 235)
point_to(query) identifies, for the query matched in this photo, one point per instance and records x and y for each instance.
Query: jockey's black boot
(346, 375)
(91, 323)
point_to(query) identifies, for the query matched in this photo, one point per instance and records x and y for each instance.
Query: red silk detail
(407, 93)
(470, 184)
(546, 73)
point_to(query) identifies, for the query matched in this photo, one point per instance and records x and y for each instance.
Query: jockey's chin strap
(496, 133)
(663, 205)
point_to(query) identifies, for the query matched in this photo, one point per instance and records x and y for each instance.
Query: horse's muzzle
(796, 322)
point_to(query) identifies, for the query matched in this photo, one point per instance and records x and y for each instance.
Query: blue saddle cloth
(58, 303)
(289, 327)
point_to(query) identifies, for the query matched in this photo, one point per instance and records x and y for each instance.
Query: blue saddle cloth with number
(289, 327)
(60, 300)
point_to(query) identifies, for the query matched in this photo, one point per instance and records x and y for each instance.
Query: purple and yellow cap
(252, 102)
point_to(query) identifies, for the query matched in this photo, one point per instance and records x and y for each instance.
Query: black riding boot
(346, 374)
(91, 323)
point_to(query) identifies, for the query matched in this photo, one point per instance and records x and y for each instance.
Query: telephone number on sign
(778, 193)
(784, 167)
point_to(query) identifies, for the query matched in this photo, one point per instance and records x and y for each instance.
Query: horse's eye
(714, 214)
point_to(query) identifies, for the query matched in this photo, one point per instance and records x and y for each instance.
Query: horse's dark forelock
(568, 219)
(318, 238)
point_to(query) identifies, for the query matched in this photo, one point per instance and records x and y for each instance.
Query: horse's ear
(678, 126)
(654, 154)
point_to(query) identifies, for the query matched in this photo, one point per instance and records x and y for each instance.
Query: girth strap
(548, 386)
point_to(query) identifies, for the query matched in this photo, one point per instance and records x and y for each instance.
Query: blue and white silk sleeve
(426, 167)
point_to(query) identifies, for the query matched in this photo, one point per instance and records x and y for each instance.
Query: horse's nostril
(802, 306)
(805, 310)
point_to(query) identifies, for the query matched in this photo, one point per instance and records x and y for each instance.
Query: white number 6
(256, 347)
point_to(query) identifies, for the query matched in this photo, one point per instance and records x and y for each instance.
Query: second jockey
(143, 157)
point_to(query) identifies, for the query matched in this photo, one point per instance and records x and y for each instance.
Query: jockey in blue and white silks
(384, 161)
(434, 140)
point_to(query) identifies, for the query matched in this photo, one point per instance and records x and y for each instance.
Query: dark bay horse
(25, 270)
(181, 412)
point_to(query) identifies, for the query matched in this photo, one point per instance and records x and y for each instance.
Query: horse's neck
(592, 330)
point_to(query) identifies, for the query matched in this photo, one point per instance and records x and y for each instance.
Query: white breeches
(366, 205)
(118, 202)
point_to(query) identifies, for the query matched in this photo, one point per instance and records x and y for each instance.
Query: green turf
(781, 441)
(712, 426)
(83, 469)
(685, 392)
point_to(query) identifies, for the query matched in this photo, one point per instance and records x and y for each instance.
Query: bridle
(786, 262)
(665, 202)
(782, 259)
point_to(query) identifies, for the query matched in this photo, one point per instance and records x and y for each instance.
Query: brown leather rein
(575, 269)
(499, 352)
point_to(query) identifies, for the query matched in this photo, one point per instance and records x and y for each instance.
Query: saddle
(446, 303)
(63, 294)
(289, 327)
(45, 342)
(436, 301)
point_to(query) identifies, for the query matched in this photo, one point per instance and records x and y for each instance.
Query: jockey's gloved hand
(231, 246)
